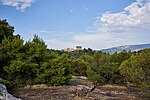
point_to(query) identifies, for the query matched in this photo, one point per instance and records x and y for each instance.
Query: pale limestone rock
(4, 95)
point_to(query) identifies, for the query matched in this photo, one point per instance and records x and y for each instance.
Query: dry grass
(113, 87)
(40, 86)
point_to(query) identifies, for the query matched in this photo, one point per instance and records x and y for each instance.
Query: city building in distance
(78, 48)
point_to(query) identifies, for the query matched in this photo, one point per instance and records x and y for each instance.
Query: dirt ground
(78, 91)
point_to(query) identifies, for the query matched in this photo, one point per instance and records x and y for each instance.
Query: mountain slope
(127, 48)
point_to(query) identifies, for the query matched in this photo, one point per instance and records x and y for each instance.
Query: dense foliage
(5, 30)
(33, 63)
(137, 69)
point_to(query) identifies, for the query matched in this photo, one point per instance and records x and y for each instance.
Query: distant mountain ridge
(126, 47)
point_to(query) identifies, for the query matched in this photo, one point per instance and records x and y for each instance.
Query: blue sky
(92, 24)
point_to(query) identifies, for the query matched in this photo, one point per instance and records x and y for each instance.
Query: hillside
(127, 48)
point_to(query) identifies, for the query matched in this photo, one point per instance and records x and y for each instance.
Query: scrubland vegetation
(31, 62)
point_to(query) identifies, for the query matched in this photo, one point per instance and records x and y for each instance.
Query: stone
(4, 95)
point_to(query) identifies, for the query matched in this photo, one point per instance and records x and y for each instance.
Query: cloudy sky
(92, 24)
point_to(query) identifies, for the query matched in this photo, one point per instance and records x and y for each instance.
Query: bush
(7, 84)
(136, 70)
(78, 67)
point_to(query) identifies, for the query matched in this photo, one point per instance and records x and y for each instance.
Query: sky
(95, 24)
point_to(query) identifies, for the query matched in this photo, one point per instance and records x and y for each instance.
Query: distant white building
(68, 49)
(78, 48)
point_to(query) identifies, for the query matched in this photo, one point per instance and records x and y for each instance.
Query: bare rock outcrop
(4, 95)
(81, 90)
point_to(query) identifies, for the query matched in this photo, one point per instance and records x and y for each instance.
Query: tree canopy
(5, 30)
(31, 62)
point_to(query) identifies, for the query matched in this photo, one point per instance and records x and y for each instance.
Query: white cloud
(130, 26)
(57, 39)
(20, 5)
(96, 38)
(99, 40)
(56, 43)
(105, 39)
(134, 16)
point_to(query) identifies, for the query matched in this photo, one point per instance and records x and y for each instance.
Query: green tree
(89, 51)
(21, 72)
(33, 64)
(6, 34)
(55, 72)
(103, 69)
(5, 30)
(120, 57)
(109, 73)
(136, 70)
(9, 51)
(36, 50)
(79, 67)
(22, 69)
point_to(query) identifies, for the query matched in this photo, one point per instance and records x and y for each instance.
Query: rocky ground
(79, 92)
(4, 95)
(79, 89)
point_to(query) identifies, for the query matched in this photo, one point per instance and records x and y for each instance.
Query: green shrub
(7, 84)
(136, 70)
